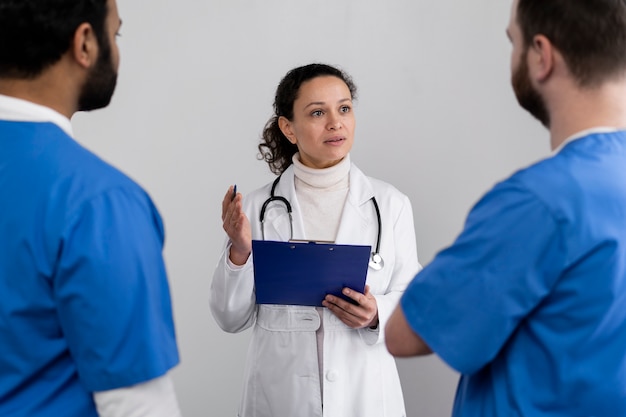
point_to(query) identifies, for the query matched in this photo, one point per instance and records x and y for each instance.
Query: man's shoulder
(60, 165)
(79, 164)
(592, 159)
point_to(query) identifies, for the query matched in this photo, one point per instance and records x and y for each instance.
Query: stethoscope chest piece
(376, 261)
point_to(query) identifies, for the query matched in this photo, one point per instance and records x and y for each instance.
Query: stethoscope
(376, 261)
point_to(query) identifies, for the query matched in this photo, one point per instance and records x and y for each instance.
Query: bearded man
(86, 324)
(529, 303)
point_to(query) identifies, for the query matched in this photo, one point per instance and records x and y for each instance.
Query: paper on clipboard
(303, 273)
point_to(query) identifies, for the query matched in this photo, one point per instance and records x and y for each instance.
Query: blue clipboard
(303, 273)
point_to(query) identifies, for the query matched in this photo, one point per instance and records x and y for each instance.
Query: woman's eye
(316, 113)
(345, 109)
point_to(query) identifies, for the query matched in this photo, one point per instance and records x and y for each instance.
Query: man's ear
(541, 58)
(285, 126)
(85, 46)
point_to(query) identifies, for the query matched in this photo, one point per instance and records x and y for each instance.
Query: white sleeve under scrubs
(85, 297)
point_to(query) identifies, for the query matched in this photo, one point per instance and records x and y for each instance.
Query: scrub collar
(582, 134)
(18, 110)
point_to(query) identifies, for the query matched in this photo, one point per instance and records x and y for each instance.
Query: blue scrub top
(85, 298)
(529, 303)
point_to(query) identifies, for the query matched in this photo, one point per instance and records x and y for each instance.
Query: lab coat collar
(361, 190)
(286, 188)
(18, 110)
(357, 211)
(356, 215)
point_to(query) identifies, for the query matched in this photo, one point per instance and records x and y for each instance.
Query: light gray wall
(436, 117)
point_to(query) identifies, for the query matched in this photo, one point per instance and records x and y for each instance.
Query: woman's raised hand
(237, 227)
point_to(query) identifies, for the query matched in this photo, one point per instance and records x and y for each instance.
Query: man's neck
(583, 109)
(51, 89)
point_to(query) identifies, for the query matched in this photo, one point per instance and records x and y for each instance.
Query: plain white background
(436, 117)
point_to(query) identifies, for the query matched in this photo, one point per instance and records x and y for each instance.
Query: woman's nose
(334, 122)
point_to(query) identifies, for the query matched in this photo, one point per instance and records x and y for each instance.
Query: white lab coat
(282, 375)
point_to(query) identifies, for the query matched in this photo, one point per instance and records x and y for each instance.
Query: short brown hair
(590, 34)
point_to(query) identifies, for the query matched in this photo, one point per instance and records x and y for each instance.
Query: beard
(527, 96)
(101, 80)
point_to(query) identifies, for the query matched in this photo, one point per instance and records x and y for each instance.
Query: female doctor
(328, 361)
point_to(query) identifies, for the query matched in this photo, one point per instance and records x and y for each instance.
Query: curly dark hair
(36, 33)
(275, 148)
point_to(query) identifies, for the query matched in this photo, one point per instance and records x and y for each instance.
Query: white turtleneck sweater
(321, 196)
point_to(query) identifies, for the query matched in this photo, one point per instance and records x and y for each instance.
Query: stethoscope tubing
(376, 261)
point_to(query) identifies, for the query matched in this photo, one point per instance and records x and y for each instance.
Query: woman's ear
(85, 46)
(285, 126)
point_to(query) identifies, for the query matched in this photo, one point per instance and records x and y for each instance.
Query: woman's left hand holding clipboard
(362, 314)
(237, 226)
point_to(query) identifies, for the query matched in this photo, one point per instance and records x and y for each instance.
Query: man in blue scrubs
(86, 323)
(529, 303)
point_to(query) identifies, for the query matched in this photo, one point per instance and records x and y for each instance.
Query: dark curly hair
(36, 33)
(275, 148)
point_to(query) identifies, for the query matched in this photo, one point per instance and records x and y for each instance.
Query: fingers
(232, 210)
(356, 316)
(236, 225)
(230, 199)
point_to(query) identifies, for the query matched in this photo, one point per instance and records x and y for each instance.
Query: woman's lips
(335, 140)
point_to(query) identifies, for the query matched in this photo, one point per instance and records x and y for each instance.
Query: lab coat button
(331, 376)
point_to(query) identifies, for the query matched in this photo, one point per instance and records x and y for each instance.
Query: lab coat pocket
(280, 318)
(282, 359)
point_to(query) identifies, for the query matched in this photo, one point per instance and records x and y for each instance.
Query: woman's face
(323, 122)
